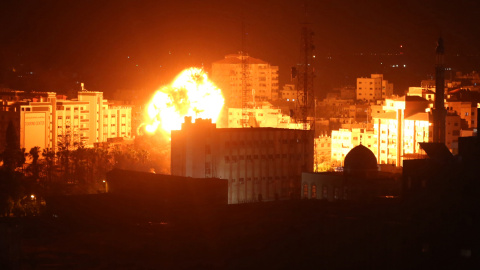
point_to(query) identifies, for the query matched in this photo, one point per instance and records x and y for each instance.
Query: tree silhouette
(11, 178)
(12, 156)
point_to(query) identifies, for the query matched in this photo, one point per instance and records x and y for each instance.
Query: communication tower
(304, 74)
(245, 77)
(305, 101)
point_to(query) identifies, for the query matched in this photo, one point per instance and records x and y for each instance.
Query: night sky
(143, 44)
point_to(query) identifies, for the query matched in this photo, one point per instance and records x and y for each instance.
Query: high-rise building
(51, 120)
(258, 163)
(261, 79)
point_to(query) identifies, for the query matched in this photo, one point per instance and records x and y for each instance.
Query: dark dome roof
(360, 158)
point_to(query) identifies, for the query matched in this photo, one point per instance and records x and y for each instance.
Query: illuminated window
(305, 191)
(314, 191)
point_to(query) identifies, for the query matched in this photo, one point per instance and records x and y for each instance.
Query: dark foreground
(105, 232)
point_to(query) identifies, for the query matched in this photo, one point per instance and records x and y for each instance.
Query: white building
(49, 121)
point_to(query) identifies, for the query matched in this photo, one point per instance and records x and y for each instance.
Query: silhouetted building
(442, 192)
(166, 189)
(259, 164)
(360, 180)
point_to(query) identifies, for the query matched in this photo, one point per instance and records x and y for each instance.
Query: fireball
(190, 94)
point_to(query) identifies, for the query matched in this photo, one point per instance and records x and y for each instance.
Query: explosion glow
(191, 94)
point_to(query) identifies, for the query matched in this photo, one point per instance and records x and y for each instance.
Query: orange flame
(191, 94)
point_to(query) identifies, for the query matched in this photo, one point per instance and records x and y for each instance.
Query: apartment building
(51, 120)
(373, 88)
(261, 79)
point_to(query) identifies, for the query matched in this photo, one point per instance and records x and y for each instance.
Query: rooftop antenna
(245, 74)
(305, 96)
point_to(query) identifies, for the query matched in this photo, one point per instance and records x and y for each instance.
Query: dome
(360, 159)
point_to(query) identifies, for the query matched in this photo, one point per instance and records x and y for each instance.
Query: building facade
(52, 120)
(397, 135)
(260, 164)
(344, 140)
(264, 116)
(323, 152)
(373, 88)
(261, 79)
(466, 110)
(289, 93)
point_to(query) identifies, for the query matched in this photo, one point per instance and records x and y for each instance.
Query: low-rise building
(262, 116)
(373, 88)
(289, 93)
(360, 180)
(344, 140)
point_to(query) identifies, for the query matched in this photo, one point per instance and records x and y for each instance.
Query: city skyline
(122, 44)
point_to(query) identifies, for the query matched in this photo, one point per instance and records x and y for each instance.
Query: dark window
(325, 192)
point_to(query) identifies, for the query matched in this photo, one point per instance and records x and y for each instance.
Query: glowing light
(190, 94)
